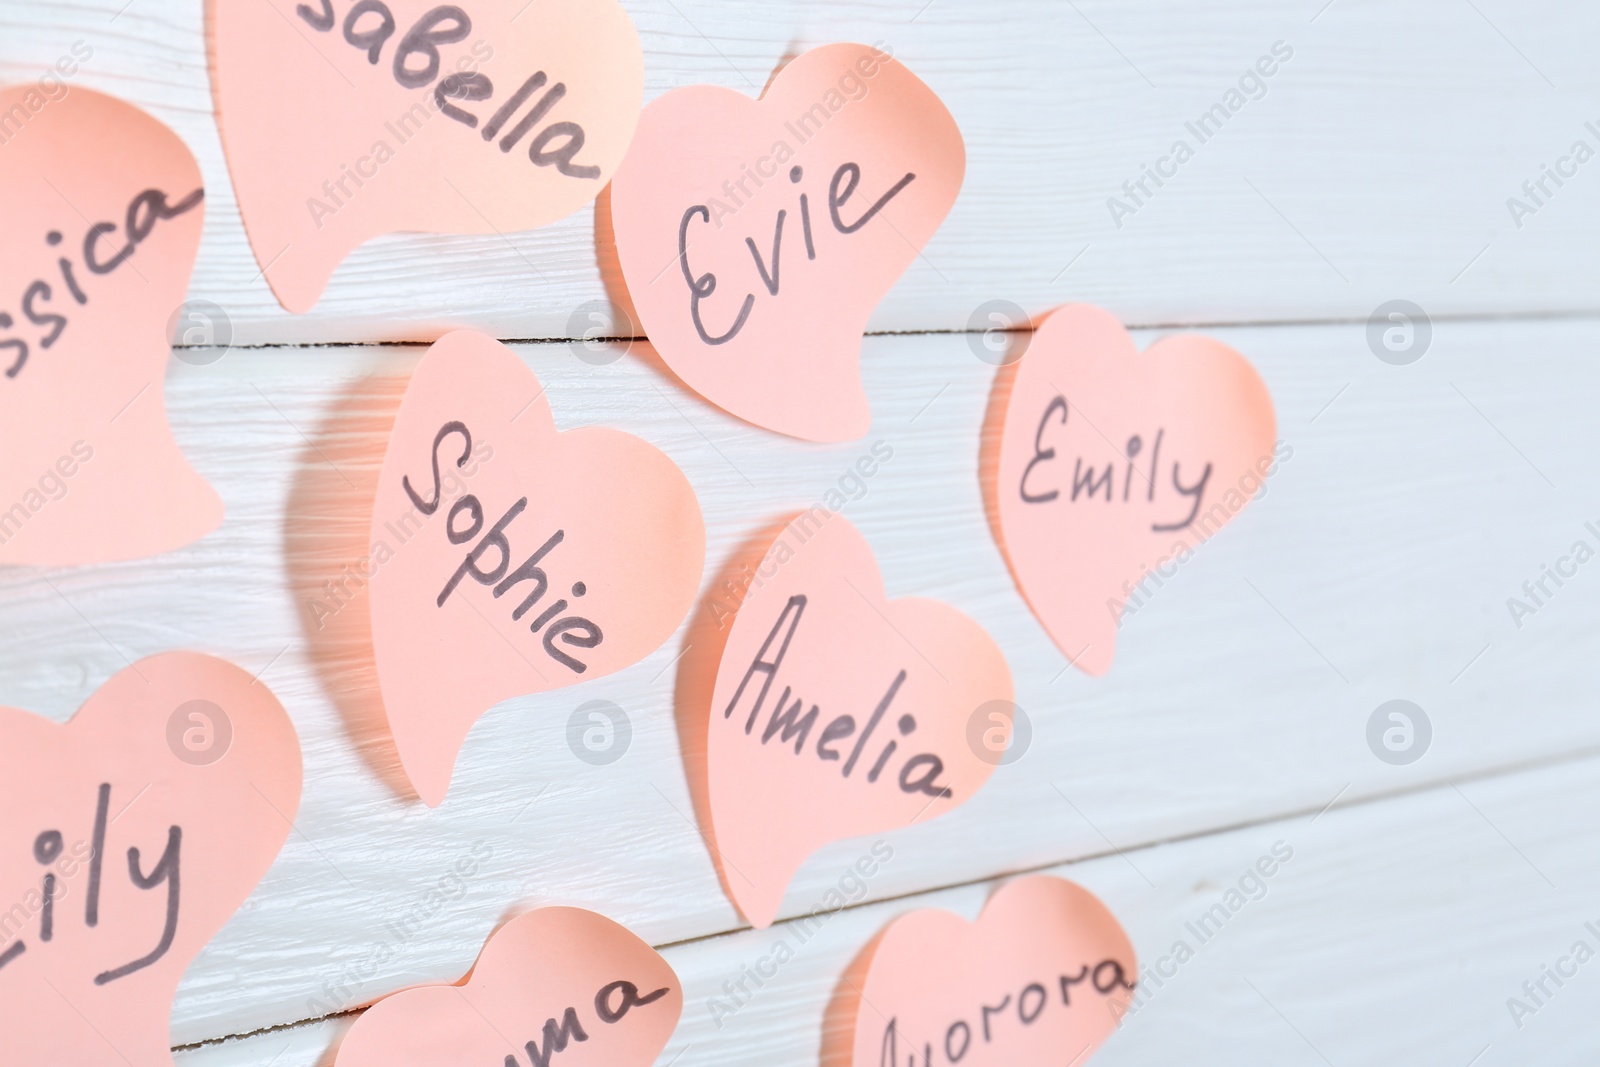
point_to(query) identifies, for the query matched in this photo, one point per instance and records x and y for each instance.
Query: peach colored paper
(1042, 978)
(332, 143)
(181, 771)
(746, 282)
(91, 472)
(588, 549)
(837, 712)
(1116, 465)
(559, 985)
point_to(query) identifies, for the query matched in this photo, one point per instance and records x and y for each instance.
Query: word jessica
(610, 1004)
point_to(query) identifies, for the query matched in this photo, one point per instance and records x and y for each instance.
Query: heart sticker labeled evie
(1115, 465)
(509, 558)
(757, 237)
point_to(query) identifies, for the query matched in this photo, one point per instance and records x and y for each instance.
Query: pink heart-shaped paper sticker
(129, 836)
(1043, 977)
(838, 712)
(344, 120)
(557, 986)
(757, 237)
(1116, 465)
(102, 216)
(508, 558)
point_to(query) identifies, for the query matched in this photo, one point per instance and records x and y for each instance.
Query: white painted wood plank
(1377, 566)
(1396, 933)
(1377, 165)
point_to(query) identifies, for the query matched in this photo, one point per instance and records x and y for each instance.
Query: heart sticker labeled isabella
(838, 712)
(555, 986)
(102, 213)
(1043, 977)
(128, 837)
(1116, 465)
(508, 558)
(757, 237)
(345, 120)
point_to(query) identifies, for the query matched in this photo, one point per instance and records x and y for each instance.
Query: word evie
(841, 188)
(1089, 483)
(610, 1004)
(572, 630)
(556, 145)
(918, 774)
(144, 211)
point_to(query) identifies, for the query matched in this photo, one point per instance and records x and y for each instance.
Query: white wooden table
(1377, 166)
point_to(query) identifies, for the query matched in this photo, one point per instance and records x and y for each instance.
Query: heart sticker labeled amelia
(103, 209)
(129, 836)
(510, 559)
(554, 986)
(1043, 977)
(405, 115)
(1115, 466)
(837, 712)
(757, 237)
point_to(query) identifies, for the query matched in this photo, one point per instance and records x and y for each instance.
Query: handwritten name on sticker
(1043, 976)
(103, 211)
(572, 987)
(538, 104)
(130, 835)
(570, 556)
(837, 712)
(785, 221)
(1114, 464)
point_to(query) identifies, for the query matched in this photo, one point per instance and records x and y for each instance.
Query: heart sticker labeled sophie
(1043, 977)
(554, 986)
(508, 558)
(1116, 465)
(346, 119)
(838, 712)
(102, 214)
(757, 237)
(128, 837)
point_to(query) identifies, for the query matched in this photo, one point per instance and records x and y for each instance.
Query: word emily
(918, 774)
(144, 211)
(1105, 978)
(1566, 168)
(51, 485)
(1566, 968)
(841, 188)
(572, 630)
(1564, 570)
(48, 848)
(610, 1004)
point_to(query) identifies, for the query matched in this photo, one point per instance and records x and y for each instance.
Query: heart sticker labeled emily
(1116, 465)
(346, 119)
(757, 237)
(1043, 977)
(102, 213)
(838, 712)
(128, 837)
(508, 558)
(553, 981)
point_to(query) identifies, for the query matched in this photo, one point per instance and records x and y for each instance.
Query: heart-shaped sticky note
(102, 208)
(181, 772)
(837, 712)
(1043, 977)
(757, 237)
(555, 986)
(345, 120)
(1116, 466)
(510, 559)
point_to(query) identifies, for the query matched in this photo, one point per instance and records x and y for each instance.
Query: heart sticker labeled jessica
(1116, 465)
(509, 558)
(554, 986)
(345, 120)
(1043, 977)
(757, 237)
(102, 213)
(181, 772)
(838, 712)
